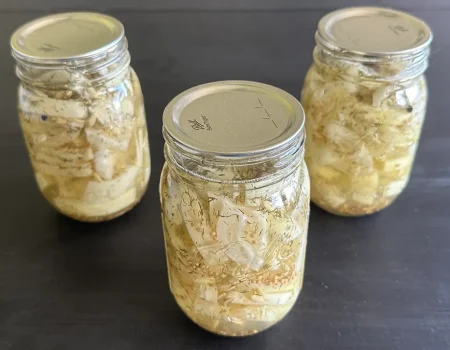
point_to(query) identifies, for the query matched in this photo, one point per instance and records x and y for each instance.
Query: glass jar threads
(365, 100)
(235, 204)
(82, 114)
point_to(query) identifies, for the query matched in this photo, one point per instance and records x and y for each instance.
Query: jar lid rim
(233, 118)
(64, 37)
(374, 31)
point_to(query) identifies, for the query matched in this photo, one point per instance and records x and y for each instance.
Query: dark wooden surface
(381, 282)
(208, 5)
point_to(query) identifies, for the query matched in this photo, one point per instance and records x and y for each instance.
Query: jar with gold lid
(235, 204)
(82, 114)
(365, 100)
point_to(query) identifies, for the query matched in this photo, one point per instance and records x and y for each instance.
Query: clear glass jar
(82, 114)
(365, 100)
(235, 211)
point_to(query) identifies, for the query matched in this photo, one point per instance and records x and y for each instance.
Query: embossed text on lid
(66, 36)
(374, 31)
(233, 118)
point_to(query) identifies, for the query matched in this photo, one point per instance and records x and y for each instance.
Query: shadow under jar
(235, 204)
(365, 100)
(82, 114)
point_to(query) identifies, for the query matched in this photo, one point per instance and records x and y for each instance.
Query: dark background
(380, 282)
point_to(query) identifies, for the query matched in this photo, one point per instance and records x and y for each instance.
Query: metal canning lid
(233, 118)
(374, 31)
(64, 36)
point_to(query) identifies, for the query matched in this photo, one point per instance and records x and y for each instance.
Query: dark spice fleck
(44, 117)
(409, 109)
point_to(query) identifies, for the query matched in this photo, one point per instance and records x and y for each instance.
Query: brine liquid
(88, 147)
(235, 252)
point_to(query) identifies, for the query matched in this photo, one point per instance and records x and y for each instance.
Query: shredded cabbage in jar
(235, 252)
(362, 134)
(88, 146)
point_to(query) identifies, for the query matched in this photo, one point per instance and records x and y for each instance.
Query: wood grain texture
(380, 282)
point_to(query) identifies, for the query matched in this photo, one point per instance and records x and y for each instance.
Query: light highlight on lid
(236, 118)
(374, 31)
(66, 36)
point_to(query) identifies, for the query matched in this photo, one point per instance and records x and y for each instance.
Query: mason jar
(365, 100)
(82, 114)
(235, 204)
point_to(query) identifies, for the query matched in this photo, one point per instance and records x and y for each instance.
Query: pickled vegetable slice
(235, 265)
(362, 133)
(88, 145)
(241, 230)
(194, 212)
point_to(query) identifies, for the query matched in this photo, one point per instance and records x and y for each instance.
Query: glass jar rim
(43, 41)
(284, 165)
(65, 42)
(233, 118)
(404, 35)
(224, 109)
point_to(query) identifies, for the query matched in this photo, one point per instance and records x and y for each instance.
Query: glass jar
(235, 204)
(82, 114)
(365, 100)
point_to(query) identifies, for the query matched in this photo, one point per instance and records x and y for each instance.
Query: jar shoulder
(113, 104)
(264, 196)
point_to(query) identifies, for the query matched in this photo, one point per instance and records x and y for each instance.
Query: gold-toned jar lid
(233, 118)
(373, 31)
(65, 36)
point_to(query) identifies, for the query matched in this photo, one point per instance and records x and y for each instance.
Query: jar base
(353, 210)
(99, 218)
(224, 328)
(230, 334)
